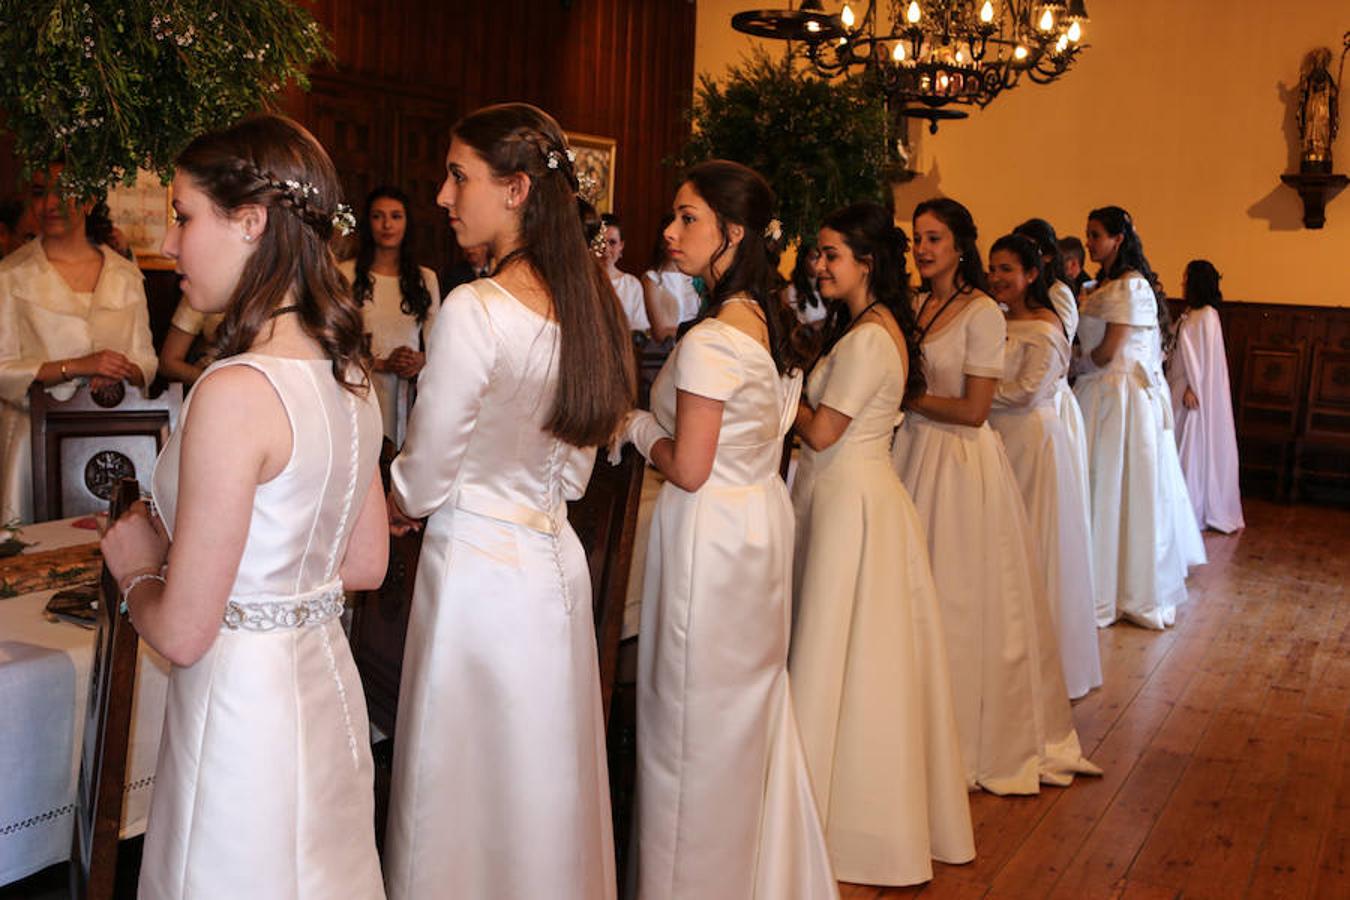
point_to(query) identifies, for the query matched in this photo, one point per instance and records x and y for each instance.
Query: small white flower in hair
(344, 222)
(571, 155)
(774, 230)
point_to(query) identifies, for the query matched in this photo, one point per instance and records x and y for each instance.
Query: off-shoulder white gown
(500, 789)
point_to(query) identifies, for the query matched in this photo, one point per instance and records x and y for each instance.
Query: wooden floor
(1225, 742)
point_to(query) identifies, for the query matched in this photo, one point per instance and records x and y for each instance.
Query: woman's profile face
(209, 248)
(475, 199)
(694, 237)
(1101, 245)
(935, 250)
(388, 223)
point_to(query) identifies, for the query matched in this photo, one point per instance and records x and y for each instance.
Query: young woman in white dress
(802, 293)
(70, 309)
(1144, 535)
(500, 788)
(870, 676)
(725, 808)
(1202, 404)
(626, 287)
(1065, 305)
(271, 506)
(1012, 709)
(399, 300)
(1043, 456)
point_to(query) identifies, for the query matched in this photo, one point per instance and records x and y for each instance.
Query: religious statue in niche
(1317, 112)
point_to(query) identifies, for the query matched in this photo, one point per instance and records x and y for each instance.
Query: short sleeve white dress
(725, 808)
(1012, 708)
(869, 667)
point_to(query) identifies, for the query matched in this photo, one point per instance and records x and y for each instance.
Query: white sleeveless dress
(1044, 460)
(500, 788)
(725, 809)
(869, 661)
(1144, 534)
(1012, 708)
(265, 788)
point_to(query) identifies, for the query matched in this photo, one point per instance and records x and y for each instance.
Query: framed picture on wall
(142, 212)
(595, 161)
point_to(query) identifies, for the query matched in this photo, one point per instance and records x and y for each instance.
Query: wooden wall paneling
(351, 123)
(421, 130)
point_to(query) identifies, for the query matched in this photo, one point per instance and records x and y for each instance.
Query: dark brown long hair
(596, 384)
(272, 162)
(872, 236)
(739, 195)
(415, 299)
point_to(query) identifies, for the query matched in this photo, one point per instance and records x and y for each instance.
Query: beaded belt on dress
(271, 612)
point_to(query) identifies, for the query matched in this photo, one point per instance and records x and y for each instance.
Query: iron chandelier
(926, 57)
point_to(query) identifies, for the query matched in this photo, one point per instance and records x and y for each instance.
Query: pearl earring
(248, 238)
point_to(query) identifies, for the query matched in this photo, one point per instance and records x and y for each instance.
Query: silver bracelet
(134, 582)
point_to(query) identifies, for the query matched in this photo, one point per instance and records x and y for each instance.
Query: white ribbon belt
(503, 510)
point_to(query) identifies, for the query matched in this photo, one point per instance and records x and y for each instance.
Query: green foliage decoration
(821, 145)
(115, 85)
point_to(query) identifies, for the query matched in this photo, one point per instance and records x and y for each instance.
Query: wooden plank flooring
(1225, 743)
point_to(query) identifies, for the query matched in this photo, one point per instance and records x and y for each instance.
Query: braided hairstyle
(416, 299)
(273, 162)
(1130, 257)
(970, 274)
(873, 237)
(739, 195)
(1042, 233)
(596, 383)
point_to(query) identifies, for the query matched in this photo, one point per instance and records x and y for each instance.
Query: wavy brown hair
(738, 195)
(272, 162)
(596, 383)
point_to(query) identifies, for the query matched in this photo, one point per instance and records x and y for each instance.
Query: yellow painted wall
(1182, 112)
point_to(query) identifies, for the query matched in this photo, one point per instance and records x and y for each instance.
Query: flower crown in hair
(555, 157)
(299, 194)
(774, 230)
(344, 222)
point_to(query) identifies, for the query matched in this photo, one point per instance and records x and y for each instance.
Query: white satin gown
(1012, 708)
(500, 786)
(869, 668)
(1044, 460)
(264, 787)
(1066, 405)
(1206, 438)
(1144, 535)
(725, 809)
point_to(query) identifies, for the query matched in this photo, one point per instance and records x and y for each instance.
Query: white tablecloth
(44, 686)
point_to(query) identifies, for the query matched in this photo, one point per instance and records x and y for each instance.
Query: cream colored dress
(1044, 460)
(1144, 533)
(264, 787)
(500, 788)
(1012, 709)
(42, 319)
(869, 661)
(725, 809)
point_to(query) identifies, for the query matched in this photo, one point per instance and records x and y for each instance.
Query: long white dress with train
(1142, 543)
(1206, 439)
(1043, 458)
(870, 677)
(1012, 708)
(500, 788)
(725, 808)
(264, 785)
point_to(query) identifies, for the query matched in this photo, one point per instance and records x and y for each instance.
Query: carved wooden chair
(107, 730)
(82, 447)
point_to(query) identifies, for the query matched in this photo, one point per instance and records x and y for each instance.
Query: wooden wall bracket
(1315, 189)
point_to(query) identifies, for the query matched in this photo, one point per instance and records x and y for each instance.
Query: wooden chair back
(605, 520)
(82, 447)
(107, 730)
